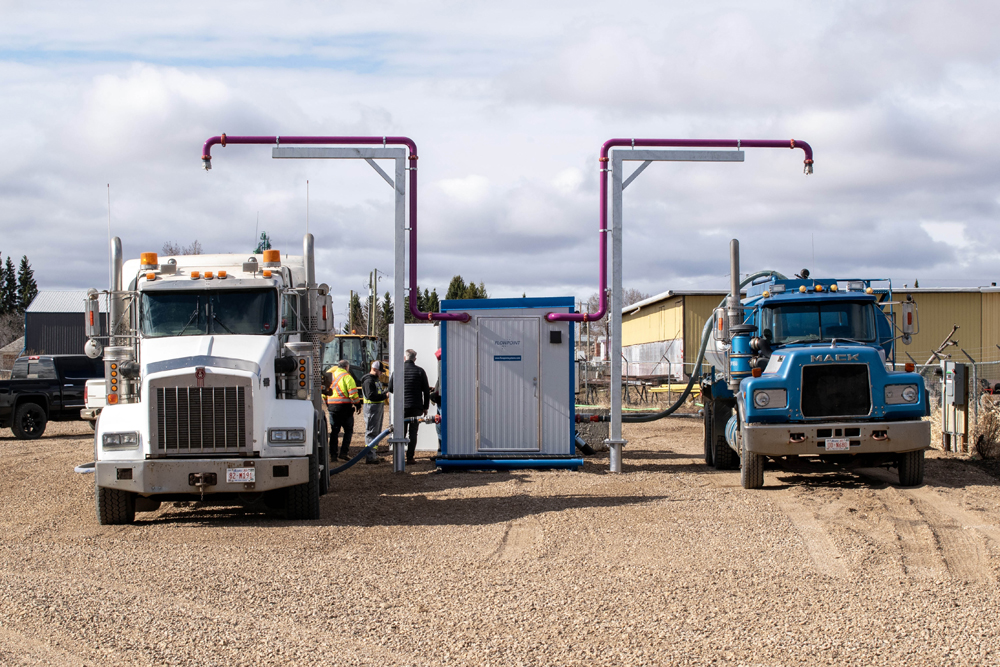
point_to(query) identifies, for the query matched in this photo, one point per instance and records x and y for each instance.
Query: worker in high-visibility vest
(342, 402)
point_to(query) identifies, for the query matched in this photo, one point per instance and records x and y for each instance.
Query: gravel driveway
(667, 563)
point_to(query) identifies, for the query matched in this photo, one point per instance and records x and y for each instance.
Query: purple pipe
(657, 143)
(223, 140)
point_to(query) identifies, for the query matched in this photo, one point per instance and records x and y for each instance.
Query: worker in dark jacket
(418, 398)
(373, 399)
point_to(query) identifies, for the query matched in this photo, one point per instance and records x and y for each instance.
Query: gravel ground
(667, 563)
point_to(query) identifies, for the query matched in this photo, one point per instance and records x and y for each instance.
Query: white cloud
(467, 190)
(509, 104)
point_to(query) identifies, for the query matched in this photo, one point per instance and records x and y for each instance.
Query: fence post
(974, 395)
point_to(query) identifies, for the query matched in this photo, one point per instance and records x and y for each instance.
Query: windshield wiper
(191, 319)
(833, 341)
(215, 318)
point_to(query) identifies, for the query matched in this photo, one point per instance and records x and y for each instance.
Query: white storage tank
(507, 385)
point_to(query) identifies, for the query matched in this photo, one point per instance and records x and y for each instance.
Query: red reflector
(324, 312)
(91, 318)
(909, 318)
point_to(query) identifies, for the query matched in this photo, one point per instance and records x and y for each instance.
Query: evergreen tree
(8, 287)
(3, 273)
(385, 317)
(355, 316)
(431, 302)
(458, 289)
(27, 289)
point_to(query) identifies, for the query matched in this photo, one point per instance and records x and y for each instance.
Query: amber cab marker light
(112, 399)
(266, 273)
(150, 276)
(756, 372)
(909, 367)
(195, 275)
(222, 274)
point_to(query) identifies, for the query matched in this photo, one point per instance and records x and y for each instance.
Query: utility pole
(371, 302)
(350, 313)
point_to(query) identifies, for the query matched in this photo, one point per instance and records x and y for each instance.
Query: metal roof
(57, 301)
(627, 310)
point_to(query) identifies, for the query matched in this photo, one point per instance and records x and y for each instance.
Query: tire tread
(911, 468)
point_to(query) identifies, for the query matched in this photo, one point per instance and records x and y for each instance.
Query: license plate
(241, 475)
(838, 445)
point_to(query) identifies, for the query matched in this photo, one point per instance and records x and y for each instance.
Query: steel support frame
(618, 157)
(398, 184)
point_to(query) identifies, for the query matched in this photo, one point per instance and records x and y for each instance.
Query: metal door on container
(507, 379)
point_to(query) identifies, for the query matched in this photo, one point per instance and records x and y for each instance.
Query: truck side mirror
(720, 329)
(910, 322)
(324, 317)
(93, 314)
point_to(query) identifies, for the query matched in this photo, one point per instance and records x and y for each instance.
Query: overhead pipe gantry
(613, 164)
(368, 148)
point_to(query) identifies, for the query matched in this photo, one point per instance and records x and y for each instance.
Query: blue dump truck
(805, 367)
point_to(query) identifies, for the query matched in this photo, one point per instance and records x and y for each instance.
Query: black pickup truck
(45, 388)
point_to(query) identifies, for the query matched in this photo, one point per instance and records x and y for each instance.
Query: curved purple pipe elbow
(224, 140)
(603, 230)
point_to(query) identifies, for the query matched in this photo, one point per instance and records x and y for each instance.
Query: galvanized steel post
(615, 441)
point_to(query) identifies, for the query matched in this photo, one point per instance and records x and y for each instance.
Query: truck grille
(192, 420)
(836, 390)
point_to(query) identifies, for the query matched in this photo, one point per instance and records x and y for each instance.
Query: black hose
(379, 438)
(357, 457)
(705, 335)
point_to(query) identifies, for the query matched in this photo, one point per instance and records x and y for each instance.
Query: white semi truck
(213, 382)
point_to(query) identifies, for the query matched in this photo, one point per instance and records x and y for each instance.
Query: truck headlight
(290, 436)
(897, 394)
(128, 440)
(770, 398)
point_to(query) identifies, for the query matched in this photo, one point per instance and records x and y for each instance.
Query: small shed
(8, 354)
(54, 323)
(507, 389)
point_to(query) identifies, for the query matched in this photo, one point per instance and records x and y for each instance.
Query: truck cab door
(73, 381)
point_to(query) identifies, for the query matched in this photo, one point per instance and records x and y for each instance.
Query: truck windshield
(351, 350)
(217, 312)
(814, 322)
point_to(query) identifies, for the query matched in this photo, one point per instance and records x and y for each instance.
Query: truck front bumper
(865, 438)
(158, 476)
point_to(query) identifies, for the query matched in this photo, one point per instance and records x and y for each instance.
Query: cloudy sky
(508, 103)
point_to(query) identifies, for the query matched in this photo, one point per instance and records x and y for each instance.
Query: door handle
(534, 381)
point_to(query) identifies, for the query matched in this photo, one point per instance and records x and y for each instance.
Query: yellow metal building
(676, 318)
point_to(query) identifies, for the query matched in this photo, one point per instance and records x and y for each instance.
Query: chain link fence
(972, 425)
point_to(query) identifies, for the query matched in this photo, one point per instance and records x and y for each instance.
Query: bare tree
(171, 248)
(11, 327)
(629, 296)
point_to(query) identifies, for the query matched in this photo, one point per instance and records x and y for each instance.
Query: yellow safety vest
(366, 401)
(345, 389)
